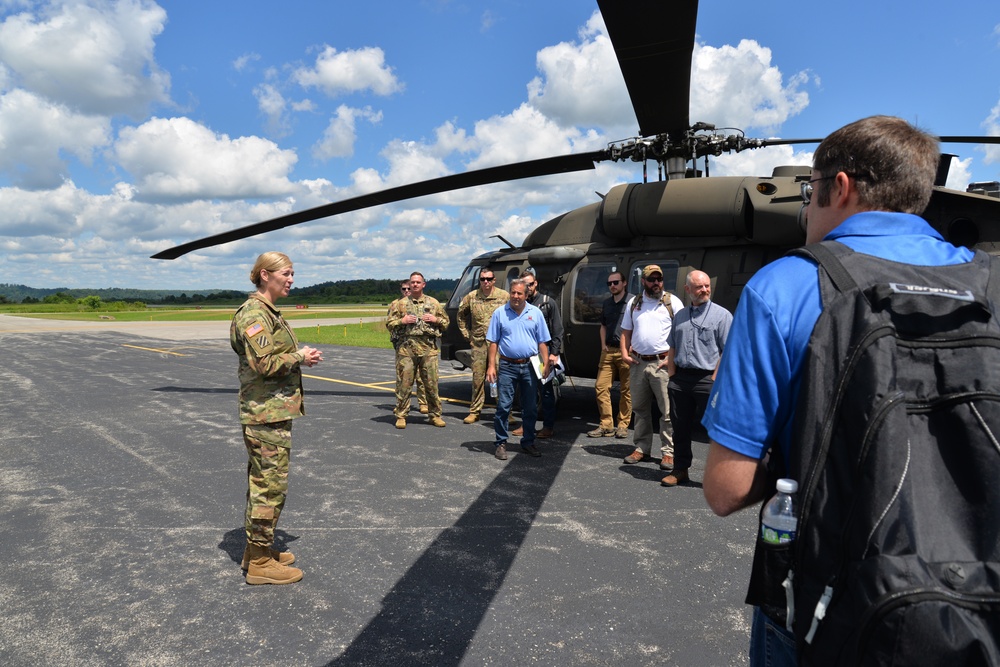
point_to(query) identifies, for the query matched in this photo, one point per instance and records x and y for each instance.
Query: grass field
(369, 334)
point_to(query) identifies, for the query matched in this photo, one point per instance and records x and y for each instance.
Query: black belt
(511, 360)
(693, 371)
(653, 357)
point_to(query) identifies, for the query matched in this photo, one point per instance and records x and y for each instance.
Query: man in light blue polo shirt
(516, 332)
(870, 182)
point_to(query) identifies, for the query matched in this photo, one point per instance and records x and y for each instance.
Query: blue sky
(128, 127)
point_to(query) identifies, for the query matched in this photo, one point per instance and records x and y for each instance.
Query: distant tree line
(367, 290)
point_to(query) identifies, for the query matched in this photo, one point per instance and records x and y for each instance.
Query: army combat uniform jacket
(475, 311)
(420, 338)
(270, 377)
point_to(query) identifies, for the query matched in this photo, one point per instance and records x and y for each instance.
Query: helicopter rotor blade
(510, 172)
(967, 139)
(654, 41)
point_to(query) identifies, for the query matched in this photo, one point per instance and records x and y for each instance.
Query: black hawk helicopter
(728, 227)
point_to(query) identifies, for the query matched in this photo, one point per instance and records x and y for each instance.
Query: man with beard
(645, 327)
(696, 340)
(611, 364)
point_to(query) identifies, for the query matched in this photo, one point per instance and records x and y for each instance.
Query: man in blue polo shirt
(516, 332)
(870, 182)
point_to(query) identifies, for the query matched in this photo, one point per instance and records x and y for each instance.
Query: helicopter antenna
(509, 244)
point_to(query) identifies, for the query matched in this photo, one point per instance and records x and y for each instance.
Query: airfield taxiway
(123, 474)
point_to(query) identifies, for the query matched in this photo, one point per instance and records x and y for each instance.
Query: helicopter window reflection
(590, 289)
(469, 282)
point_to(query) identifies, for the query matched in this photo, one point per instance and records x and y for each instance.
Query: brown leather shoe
(471, 419)
(667, 462)
(436, 421)
(635, 456)
(265, 570)
(546, 433)
(518, 431)
(283, 557)
(678, 476)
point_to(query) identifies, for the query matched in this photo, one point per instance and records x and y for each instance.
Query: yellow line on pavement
(153, 349)
(378, 385)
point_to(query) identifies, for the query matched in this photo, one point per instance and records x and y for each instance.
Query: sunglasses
(807, 186)
(654, 280)
(614, 282)
(486, 280)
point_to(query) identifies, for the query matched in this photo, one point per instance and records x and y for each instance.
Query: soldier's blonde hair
(269, 261)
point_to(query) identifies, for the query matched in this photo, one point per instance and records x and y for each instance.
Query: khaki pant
(649, 384)
(608, 367)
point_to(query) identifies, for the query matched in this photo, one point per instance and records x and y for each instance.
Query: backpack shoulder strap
(668, 301)
(827, 254)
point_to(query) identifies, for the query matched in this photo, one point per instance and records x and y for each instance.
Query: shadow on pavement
(431, 615)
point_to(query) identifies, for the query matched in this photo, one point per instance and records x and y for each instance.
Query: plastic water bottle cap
(787, 485)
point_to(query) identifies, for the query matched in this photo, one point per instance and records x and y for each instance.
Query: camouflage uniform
(395, 340)
(473, 320)
(416, 350)
(270, 398)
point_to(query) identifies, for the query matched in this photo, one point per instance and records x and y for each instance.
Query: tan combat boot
(283, 557)
(265, 570)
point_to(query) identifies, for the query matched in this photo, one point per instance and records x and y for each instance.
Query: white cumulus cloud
(177, 158)
(339, 72)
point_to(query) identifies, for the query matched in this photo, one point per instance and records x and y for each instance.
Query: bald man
(696, 341)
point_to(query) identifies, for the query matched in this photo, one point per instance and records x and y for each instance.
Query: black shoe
(501, 451)
(531, 450)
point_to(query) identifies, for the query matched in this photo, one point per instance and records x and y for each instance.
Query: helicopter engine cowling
(761, 210)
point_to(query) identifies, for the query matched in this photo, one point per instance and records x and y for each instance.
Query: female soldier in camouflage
(270, 398)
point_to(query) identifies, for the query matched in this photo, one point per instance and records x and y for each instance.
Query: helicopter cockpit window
(590, 289)
(669, 268)
(469, 282)
(512, 274)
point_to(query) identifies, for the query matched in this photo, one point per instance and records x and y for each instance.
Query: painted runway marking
(153, 349)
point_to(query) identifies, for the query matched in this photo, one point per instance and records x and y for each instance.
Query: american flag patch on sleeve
(254, 329)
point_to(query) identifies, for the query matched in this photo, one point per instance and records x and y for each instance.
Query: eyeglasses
(486, 280)
(807, 186)
(405, 289)
(530, 284)
(614, 282)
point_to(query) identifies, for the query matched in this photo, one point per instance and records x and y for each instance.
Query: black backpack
(897, 454)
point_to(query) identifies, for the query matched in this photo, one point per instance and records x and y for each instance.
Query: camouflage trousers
(267, 478)
(480, 354)
(407, 369)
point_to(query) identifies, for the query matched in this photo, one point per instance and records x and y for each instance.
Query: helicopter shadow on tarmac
(433, 612)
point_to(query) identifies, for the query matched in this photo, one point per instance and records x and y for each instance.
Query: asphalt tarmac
(123, 476)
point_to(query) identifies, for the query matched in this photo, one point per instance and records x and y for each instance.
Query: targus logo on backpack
(932, 291)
